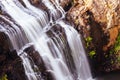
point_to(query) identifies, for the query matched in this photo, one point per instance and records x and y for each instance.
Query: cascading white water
(18, 40)
(64, 57)
(14, 33)
(78, 52)
(43, 17)
(28, 63)
(55, 9)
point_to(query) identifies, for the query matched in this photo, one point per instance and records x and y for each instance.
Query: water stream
(58, 44)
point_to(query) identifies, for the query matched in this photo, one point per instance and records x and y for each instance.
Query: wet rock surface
(10, 62)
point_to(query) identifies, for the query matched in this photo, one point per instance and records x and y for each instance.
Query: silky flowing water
(58, 44)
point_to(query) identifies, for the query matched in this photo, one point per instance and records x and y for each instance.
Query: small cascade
(58, 45)
(54, 8)
(40, 14)
(29, 65)
(14, 33)
(77, 52)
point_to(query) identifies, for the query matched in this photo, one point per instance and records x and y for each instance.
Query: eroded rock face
(99, 23)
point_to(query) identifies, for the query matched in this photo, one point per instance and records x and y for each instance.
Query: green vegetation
(92, 53)
(116, 46)
(118, 59)
(4, 77)
(88, 40)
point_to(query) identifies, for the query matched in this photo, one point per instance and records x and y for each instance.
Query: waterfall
(57, 44)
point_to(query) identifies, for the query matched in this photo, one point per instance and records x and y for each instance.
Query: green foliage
(88, 40)
(92, 53)
(118, 59)
(4, 77)
(116, 46)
